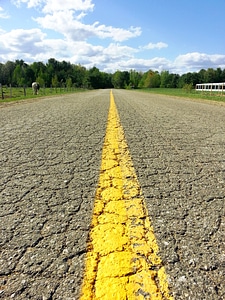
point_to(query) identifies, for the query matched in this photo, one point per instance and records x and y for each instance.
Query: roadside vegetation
(9, 94)
(182, 92)
(57, 77)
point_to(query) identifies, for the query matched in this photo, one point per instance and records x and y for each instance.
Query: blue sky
(176, 35)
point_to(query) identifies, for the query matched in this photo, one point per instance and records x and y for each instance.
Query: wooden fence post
(10, 90)
(2, 93)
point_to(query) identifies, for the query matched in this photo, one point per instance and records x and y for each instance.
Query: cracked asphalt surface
(50, 160)
(50, 156)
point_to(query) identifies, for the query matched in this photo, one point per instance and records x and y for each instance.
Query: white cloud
(33, 45)
(52, 48)
(50, 6)
(117, 50)
(158, 45)
(75, 30)
(22, 41)
(195, 61)
(156, 64)
(190, 62)
(105, 58)
(116, 34)
(30, 3)
(74, 44)
(65, 19)
(3, 15)
(66, 24)
(108, 58)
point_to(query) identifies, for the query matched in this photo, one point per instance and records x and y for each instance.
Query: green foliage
(120, 80)
(19, 93)
(7, 72)
(19, 76)
(181, 92)
(152, 80)
(69, 82)
(188, 87)
(40, 80)
(134, 79)
(117, 80)
(55, 81)
(64, 74)
(165, 79)
(95, 78)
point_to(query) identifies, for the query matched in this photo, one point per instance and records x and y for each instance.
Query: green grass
(187, 94)
(15, 94)
(18, 93)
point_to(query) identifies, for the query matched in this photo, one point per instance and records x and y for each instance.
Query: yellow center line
(122, 261)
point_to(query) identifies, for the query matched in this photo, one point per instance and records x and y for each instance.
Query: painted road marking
(122, 261)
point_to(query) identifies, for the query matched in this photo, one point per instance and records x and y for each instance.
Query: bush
(188, 87)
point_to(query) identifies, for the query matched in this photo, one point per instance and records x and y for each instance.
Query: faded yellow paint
(122, 254)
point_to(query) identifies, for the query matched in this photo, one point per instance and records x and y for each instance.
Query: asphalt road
(50, 156)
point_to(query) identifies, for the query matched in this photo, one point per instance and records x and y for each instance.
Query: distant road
(50, 157)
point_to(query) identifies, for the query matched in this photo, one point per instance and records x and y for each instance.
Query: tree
(120, 79)
(223, 76)
(117, 79)
(40, 80)
(218, 75)
(40, 74)
(106, 80)
(152, 80)
(69, 82)
(7, 72)
(29, 75)
(202, 76)
(51, 70)
(165, 79)
(1, 73)
(55, 81)
(55, 72)
(210, 75)
(134, 78)
(19, 76)
(80, 76)
(23, 75)
(188, 79)
(126, 79)
(174, 79)
(95, 78)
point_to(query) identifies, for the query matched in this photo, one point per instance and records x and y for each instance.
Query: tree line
(64, 74)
